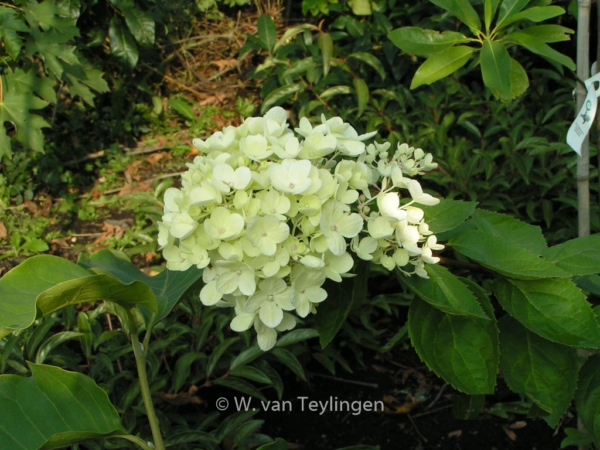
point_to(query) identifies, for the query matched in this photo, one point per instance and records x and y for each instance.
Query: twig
(433, 411)
(128, 151)
(416, 429)
(437, 397)
(358, 383)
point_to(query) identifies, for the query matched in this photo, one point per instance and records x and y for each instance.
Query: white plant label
(583, 122)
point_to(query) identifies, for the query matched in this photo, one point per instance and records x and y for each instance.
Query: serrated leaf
(122, 43)
(590, 283)
(549, 33)
(495, 67)
(422, 42)
(30, 420)
(53, 50)
(580, 256)
(512, 230)
(587, 397)
(168, 286)
(441, 65)
(544, 371)
(447, 214)
(326, 46)
(362, 95)
(278, 96)
(553, 308)
(504, 257)
(535, 14)
(11, 23)
(47, 15)
(539, 47)
(461, 9)
(69, 8)
(141, 25)
(461, 350)
(341, 298)
(267, 32)
(444, 291)
(370, 60)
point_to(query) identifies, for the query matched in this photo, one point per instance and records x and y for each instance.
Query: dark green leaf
(467, 407)
(217, 353)
(289, 360)
(341, 298)
(326, 46)
(495, 67)
(54, 341)
(441, 65)
(278, 444)
(461, 9)
(418, 41)
(504, 257)
(462, 350)
(576, 438)
(240, 385)
(371, 60)
(52, 409)
(549, 33)
(537, 46)
(122, 43)
(183, 368)
(362, 95)
(509, 8)
(590, 283)
(580, 256)
(250, 373)
(445, 291)
(297, 335)
(511, 230)
(278, 96)
(141, 25)
(447, 214)
(535, 14)
(553, 308)
(267, 33)
(248, 355)
(519, 82)
(587, 398)
(544, 371)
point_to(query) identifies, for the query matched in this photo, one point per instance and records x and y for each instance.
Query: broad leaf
(362, 95)
(587, 398)
(11, 23)
(122, 43)
(371, 60)
(445, 292)
(441, 65)
(495, 67)
(341, 298)
(240, 385)
(21, 286)
(519, 82)
(544, 371)
(489, 11)
(291, 33)
(141, 25)
(580, 256)
(267, 33)
(297, 335)
(462, 350)
(509, 8)
(461, 9)
(590, 283)
(278, 96)
(535, 14)
(326, 46)
(53, 409)
(555, 309)
(503, 256)
(536, 45)
(447, 214)
(421, 42)
(47, 15)
(168, 286)
(511, 230)
(26, 82)
(549, 33)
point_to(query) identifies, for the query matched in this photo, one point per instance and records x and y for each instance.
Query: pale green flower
(291, 176)
(306, 290)
(236, 275)
(255, 147)
(365, 248)
(418, 196)
(317, 146)
(266, 232)
(337, 223)
(223, 224)
(270, 300)
(380, 228)
(389, 206)
(237, 179)
(336, 266)
(272, 202)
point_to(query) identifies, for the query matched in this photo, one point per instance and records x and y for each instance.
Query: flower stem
(140, 360)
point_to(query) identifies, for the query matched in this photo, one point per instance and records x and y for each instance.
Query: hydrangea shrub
(270, 213)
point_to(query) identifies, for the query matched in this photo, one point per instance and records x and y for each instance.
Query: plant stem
(140, 361)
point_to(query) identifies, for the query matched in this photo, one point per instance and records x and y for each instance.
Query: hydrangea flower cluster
(270, 215)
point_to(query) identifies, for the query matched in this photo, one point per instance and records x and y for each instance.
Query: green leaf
(250, 373)
(580, 256)
(371, 60)
(519, 82)
(537, 46)
(587, 397)
(290, 361)
(544, 371)
(421, 42)
(267, 33)
(511, 230)
(122, 43)
(183, 107)
(295, 336)
(326, 46)
(461, 9)
(290, 33)
(47, 15)
(489, 11)
(168, 286)
(217, 353)
(444, 291)
(279, 95)
(240, 385)
(576, 438)
(590, 283)
(21, 286)
(54, 341)
(10, 24)
(549, 33)
(555, 309)
(462, 350)
(52, 409)
(278, 444)
(362, 95)
(183, 368)
(447, 214)
(535, 14)
(247, 356)
(361, 7)
(441, 65)
(509, 8)
(495, 67)
(467, 407)
(341, 298)
(504, 257)
(141, 25)
(26, 82)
